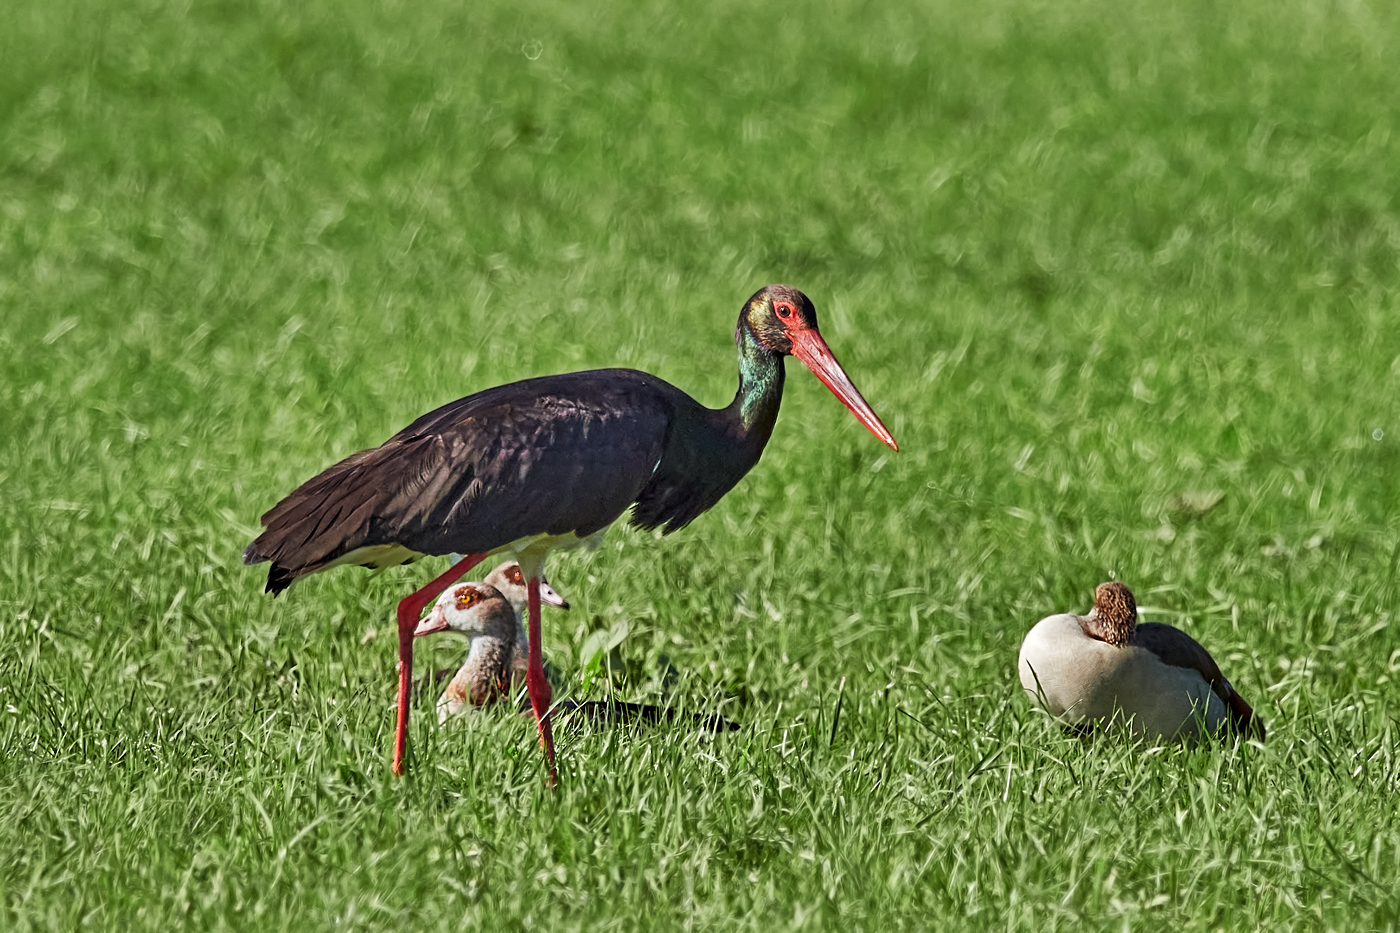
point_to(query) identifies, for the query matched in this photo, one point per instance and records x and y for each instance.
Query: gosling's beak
(436, 621)
(551, 598)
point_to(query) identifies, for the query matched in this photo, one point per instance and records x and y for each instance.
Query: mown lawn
(1097, 265)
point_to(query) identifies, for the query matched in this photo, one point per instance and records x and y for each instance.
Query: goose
(1091, 669)
(492, 670)
(496, 663)
(510, 582)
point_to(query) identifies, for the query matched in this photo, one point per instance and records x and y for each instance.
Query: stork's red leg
(535, 681)
(410, 608)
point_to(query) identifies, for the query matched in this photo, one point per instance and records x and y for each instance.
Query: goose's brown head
(1114, 615)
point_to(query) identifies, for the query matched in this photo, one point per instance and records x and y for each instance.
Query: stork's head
(472, 609)
(1114, 616)
(783, 320)
(512, 585)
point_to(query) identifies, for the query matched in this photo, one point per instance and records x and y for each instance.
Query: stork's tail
(279, 577)
(325, 522)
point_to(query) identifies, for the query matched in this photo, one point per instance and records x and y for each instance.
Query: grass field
(1085, 259)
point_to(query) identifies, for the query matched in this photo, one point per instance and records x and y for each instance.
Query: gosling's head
(512, 584)
(472, 609)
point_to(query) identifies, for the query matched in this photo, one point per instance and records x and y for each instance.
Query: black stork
(545, 463)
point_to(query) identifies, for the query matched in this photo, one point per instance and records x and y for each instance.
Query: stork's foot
(541, 695)
(547, 743)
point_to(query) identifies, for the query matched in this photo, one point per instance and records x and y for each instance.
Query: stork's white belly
(376, 557)
(1079, 679)
(528, 551)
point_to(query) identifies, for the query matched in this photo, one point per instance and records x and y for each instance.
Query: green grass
(1083, 258)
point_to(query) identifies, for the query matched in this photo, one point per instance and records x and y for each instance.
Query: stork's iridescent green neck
(760, 384)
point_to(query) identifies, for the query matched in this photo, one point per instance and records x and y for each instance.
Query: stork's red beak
(809, 347)
(436, 621)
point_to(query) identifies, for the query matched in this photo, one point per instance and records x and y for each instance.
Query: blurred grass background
(1120, 277)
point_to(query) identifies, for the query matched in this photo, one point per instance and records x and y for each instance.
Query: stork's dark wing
(701, 461)
(552, 455)
(706, 453)
(1178, 649)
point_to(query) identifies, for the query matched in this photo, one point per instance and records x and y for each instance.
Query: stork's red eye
(784, 310)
